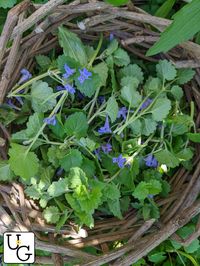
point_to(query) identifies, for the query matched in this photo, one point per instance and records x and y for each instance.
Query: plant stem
(23, 86)
(96, 51)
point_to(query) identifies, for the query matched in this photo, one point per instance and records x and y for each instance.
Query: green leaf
(7, 3)
(112, 108)
(114, 206)
(88, 167)
(76, 125)
(51, 214)
(136, 127)
(58, 129)
(186, 23)
(72, 159)
(72, 45)
(186, 231)
(88, 143)
(33, 192)
(143, 189)
(153, 86)
(180, 124)
(89, 86)
(43, 61)
(58, 188)
(54, 155)
(46, 174)
(5, 172)
(165, 70)
(111, 192)
(129, 93)
(193, 247)
(166, 7)
(121, 57)
(185, 154)
(160, 109)
(117, 2)
(110, 64)
(22, 163)
(77, 177)
(132, 70)
(148, 126)
(102, 70)
(177, 92)
(42, 97)
(157, 257)
(33, 125)
(194, 137)
(166, 157)
(62, 220)
(184, 75)
(112, 47)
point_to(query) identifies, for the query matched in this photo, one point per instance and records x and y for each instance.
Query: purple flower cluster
(50, 120)
(146, 104)
(11, 104)
(84, 74)
(106, 148)
(151, 161)
(66, 87)
(122, 113)
(26, 75)
(106, 128)
(119, 160)
(68, 71)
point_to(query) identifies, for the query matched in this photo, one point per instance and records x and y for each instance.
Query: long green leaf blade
(186, 23)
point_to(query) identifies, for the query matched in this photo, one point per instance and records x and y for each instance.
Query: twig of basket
(149, 242)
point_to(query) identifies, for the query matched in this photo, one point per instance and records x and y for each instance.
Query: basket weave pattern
(134, 29)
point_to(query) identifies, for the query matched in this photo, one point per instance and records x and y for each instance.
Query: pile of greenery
(94, 132)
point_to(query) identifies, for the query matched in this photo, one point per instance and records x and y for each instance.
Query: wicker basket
(136, 31)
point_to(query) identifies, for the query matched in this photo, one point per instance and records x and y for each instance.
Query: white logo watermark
(19, 247)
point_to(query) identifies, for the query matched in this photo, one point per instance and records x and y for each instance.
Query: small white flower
(81, 25)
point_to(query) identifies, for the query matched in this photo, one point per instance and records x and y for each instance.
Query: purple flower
(11, 104)
(59, 171)
(122, 113)
(19, 99)
(26, 75)
(106, 148)
(106, 128)
(101, 99)
(146, 104)
(70, 89)
(97, 154)
(111, 37)
(80, 95)
(151, 161)
(50, 120)
(68, 71)
(150, 196)
(84, 74)
(66, 87)
(119, 160)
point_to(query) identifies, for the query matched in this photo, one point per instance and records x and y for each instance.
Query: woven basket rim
(132, 26)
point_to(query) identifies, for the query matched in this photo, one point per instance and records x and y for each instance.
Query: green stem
(54, 111)
(96, 51)
(23, 86)
(194, 262)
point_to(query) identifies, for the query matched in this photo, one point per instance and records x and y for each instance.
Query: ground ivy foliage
(94, 132)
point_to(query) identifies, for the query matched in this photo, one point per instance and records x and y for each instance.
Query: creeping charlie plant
(94, 132)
